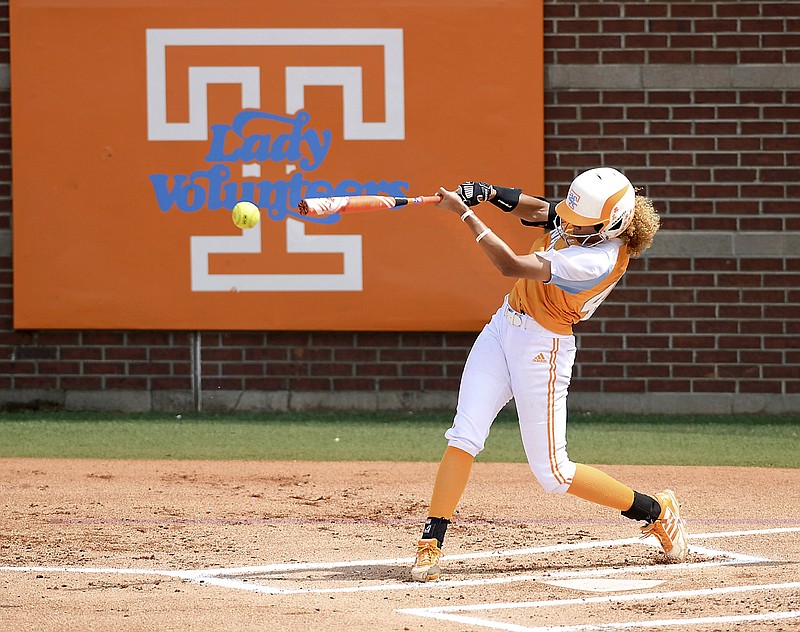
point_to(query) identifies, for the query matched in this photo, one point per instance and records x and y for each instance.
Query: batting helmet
(601, 197)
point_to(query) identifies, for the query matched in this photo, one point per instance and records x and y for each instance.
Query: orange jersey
(581, 277)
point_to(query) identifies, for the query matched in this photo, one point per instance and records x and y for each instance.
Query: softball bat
(359, 203)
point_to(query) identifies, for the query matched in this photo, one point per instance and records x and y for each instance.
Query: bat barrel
(359, 203)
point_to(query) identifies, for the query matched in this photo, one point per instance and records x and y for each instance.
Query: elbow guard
(506, 199)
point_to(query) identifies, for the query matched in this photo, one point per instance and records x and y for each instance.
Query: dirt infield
(187, 545)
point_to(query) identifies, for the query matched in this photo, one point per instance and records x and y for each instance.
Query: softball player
(527, 349)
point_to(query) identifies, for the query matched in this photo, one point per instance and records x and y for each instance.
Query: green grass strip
(743, 440)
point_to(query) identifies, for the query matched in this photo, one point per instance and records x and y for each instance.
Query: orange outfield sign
(138, 126)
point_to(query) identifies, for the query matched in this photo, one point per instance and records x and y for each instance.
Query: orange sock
(451, 479)
(598, 487)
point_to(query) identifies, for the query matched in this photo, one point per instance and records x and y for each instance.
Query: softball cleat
(669, 529)
(427, 565)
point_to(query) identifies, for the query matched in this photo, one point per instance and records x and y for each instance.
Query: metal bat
(359, 203)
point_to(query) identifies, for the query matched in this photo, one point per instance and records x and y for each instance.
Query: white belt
(515, 319)
(523, 321)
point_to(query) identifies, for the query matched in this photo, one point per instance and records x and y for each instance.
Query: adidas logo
(540, 358)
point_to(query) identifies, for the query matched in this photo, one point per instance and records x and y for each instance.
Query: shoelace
(660, 530)
(426, 554)
(652, 529)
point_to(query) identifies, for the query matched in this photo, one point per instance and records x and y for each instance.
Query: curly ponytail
(643, 226)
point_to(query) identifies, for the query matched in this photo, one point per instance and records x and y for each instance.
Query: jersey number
(593, 303)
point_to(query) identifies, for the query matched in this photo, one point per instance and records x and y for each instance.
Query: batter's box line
(240, 584)
(216, 578)
(553, 548)
(213, 577)
(445, 613)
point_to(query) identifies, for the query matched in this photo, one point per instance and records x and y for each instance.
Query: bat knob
(303, 207)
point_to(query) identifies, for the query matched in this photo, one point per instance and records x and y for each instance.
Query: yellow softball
(246, 215)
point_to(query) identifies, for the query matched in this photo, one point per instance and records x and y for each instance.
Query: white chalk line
(606, 627)
(215, 577)
(399, 561)
(444, 612)
(445, 584)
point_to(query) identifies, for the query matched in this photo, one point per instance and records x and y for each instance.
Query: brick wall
(698, 102)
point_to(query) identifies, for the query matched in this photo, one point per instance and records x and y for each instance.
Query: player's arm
(531, 210)
(535, 211)
(508, 262)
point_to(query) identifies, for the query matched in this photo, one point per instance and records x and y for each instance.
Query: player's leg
(541, 368)
(451, 480)
(483, 392)
(660, 512)
(540, 390)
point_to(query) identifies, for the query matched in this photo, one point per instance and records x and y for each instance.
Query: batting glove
(473, 193)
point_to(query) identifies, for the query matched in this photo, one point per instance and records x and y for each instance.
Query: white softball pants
(514, 356)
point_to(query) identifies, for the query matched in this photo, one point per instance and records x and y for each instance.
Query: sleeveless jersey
(581, 277)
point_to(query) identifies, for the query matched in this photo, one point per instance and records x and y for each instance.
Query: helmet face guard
(564, 230)
(603, 198)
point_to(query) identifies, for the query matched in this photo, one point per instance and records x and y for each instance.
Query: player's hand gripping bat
(359, 203)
